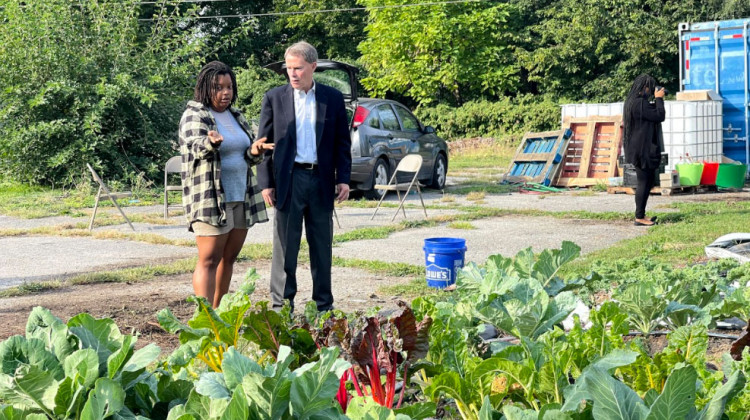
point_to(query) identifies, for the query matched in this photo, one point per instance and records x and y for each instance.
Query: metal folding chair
(174, 165)
(409, 164)
(113, 196)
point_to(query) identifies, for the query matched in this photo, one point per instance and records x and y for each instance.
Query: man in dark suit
(309, 167)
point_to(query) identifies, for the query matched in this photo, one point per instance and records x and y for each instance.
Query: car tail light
(360, 115)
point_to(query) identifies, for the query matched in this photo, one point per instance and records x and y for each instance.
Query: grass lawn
(29, 202)
(679, 238)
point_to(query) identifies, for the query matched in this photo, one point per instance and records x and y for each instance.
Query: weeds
(461, 225)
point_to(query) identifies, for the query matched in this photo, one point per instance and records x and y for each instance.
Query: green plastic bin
(690, 173)
(731, 175)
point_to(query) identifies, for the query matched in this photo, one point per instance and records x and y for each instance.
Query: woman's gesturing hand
(259, 146)
(215, 138)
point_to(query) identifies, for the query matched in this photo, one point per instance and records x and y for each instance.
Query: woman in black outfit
(643, 139)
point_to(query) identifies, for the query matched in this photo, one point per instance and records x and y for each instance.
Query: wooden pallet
(630, 190)
(538, 157)
(693, 189)
(667, 191)
(591, 155)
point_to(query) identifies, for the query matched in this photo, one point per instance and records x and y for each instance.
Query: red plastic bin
(710, 169)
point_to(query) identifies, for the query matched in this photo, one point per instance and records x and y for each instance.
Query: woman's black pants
(646, 180)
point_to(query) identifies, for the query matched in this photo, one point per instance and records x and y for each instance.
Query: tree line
(105, 81)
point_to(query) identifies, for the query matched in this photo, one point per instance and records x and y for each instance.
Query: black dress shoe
(637, 223)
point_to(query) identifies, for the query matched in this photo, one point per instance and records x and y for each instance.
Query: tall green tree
(258, 32)
(87, 82)
(330, 25)
(238, 31)
(593, 49)
(439, 53)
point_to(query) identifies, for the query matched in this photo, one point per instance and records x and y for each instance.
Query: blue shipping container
(714, 56)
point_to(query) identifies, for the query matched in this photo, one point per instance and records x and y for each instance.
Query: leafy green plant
(654, 293)
(83, 369)
(270, 330)
(526, 310)
(244, 389)
(612, 399)
(687, 346)
(507, 293)
(608, 326)
(377, 344)
(739, 407)
(500, 273)
(209, 333)
(644, 303)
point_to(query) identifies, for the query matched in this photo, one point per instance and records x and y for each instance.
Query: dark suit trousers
(306, 205)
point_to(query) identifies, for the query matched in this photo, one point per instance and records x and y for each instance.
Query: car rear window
(388, 118)
(337, 79)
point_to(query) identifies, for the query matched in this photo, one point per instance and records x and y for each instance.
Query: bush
(507, 118)
(86, 83)
(252, 83)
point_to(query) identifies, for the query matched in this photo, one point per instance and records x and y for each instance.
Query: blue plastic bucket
(443, 258)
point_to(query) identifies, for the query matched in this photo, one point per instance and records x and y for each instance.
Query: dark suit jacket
(277, 122)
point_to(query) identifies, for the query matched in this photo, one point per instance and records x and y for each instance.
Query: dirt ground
(133, 306)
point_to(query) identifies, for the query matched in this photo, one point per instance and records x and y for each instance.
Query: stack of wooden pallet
(538, 158)
(591, 154)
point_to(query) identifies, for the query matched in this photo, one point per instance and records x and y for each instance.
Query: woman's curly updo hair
(206, 85)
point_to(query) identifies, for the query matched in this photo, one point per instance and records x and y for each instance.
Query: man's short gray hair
(304, 50)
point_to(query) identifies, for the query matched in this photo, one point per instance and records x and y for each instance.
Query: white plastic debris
(733, 245)
(583, 313)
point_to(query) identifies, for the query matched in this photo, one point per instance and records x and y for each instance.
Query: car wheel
(439, 173)
(379, 176)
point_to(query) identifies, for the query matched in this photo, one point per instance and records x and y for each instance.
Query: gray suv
(382, 131)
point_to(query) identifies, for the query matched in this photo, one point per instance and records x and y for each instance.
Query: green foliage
(211, 331)
(652, 293)
(270, 330)
(604, 334)
(88, 82)
(245, 389)
(367, 409)
(264, 38)
(308, 365)
(500, 274)
(578, 56)
(252, 83)
(83, 369)
(437, 53)
(507, 118)
(334, 35)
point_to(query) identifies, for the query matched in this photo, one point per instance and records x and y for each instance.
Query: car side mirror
(429, 129)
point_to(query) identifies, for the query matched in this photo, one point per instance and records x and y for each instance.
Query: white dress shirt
(305, 112)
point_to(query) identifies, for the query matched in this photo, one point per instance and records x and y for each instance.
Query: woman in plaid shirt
(220, 193)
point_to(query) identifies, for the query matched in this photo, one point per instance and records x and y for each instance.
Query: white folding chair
(113, 196)
(174, 165)
(409, 164)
